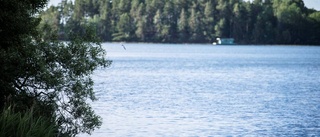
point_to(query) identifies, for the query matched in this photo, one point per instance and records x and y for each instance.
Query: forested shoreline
(188, 21)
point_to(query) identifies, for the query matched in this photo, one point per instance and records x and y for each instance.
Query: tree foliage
(39, 72)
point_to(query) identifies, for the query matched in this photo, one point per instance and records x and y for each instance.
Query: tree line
(189, 21)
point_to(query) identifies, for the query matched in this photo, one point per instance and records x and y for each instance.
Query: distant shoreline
(210, 44)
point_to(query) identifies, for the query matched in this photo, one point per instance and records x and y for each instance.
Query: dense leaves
(249, 22)
(40, 73)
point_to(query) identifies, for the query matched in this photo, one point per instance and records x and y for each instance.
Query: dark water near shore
(205, 90)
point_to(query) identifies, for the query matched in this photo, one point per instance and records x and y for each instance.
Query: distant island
(188, 21)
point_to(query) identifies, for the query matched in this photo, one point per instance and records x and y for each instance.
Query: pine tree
(183, 27)
(208, 21)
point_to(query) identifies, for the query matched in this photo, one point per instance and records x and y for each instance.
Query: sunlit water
(205, 90)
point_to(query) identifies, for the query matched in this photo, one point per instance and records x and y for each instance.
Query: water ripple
(201, 90)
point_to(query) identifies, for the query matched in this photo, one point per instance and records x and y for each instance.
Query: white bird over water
(123, 46)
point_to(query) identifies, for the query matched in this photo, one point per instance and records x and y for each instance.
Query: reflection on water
(204, 90)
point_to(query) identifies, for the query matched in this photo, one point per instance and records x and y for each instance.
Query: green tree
(51, 21)
(65, 9)
(135, 11)
(314, 28)
(124, 6)
(105, 23)
(79, 10)
(141, 23)
(195, 24)
(125, 28)
(158, 24)
(264, 25)
(289, 16)
(183, 27)
(170, 22)
(44, 74)
(239, 17)
(208, 21)
(151, 8)
(222, 27)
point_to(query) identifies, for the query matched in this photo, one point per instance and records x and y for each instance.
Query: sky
(315, 4)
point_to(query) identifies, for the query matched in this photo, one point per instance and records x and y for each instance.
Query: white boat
(224, 41)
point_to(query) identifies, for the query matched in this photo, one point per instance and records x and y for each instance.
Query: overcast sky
(309, 3)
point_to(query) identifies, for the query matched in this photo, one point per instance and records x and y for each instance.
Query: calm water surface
(204, 90)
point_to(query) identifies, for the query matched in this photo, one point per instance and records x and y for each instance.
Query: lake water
(205, 90)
